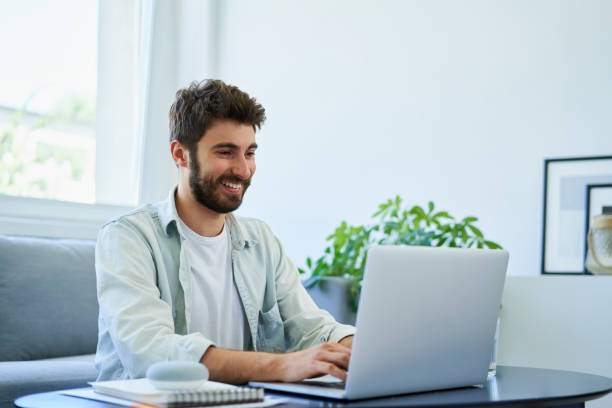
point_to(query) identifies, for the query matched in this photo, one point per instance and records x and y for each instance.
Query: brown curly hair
(198, 105)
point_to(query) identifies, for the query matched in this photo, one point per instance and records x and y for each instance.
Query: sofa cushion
(18, 378)
(48, 305)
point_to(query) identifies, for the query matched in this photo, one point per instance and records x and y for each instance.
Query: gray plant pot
(332, 294)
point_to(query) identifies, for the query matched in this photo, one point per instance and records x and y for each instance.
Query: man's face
(223, 165)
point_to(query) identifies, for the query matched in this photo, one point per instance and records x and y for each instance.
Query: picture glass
(600, 196)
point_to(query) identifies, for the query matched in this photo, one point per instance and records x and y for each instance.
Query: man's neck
(197, 217)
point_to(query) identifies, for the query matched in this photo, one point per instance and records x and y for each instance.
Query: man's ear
(179, 153)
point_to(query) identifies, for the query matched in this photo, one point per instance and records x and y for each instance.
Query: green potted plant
(336, 276)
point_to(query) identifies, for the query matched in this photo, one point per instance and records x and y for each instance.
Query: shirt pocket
(271, 331)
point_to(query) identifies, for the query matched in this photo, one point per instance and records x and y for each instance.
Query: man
(185, 279)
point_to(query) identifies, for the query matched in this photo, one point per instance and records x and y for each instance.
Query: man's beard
(205, 190)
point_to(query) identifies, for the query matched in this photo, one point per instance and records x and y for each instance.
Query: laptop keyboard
(338, 385)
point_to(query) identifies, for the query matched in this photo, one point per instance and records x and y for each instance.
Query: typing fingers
(340, 359)
(331, 369)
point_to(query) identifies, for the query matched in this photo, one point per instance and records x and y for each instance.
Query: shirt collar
(167, 212)
(169, 216)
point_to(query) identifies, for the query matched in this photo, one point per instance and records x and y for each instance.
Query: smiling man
(185, 279)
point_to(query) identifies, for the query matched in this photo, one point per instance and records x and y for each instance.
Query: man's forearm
(239, 367)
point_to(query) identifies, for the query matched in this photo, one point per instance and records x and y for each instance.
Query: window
(48, 99)
(69, 124)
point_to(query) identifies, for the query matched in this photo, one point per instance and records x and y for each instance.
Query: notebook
(426, 321)
(211, 393)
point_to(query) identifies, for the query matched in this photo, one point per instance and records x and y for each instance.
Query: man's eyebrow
(233, 146)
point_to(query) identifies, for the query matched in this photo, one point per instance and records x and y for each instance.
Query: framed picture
(564, 228)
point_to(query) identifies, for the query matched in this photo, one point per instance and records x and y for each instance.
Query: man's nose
(242, 168)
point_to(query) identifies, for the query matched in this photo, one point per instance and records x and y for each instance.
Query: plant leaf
(492, 245)
(416, 210)
(475, 230)
(442, 214)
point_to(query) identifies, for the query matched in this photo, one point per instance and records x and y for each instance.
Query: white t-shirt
(216, 308)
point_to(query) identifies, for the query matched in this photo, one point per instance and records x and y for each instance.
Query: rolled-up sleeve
(136, 324)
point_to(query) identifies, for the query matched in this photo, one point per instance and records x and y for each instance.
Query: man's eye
(225, 152)
(250, 154)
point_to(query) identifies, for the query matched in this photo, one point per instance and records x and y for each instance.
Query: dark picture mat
(589, 189)
(547, 162)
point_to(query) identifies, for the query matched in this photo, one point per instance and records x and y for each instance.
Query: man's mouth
(232, 187)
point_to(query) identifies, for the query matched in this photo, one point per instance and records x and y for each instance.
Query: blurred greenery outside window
(51, 155)
(48, 99)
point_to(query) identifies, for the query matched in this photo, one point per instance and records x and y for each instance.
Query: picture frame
(564, 212)
(598, 198)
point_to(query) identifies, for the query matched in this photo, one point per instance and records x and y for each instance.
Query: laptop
(426, 321)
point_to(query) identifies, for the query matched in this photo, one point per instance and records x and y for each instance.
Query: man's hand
(347, 341)
(239, 367)
(327, 358)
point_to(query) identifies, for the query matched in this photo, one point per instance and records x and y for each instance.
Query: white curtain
(178, 39)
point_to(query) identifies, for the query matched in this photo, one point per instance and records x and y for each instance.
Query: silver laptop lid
(426, 320)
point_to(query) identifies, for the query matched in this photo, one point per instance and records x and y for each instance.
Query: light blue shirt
(144, 291)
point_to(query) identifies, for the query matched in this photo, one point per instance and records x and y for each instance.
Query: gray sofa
(48, 315)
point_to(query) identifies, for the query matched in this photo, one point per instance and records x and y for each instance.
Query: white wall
(457, 102)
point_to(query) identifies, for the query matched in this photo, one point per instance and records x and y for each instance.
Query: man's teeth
(232, 185)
